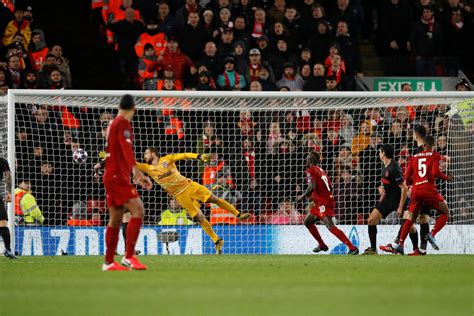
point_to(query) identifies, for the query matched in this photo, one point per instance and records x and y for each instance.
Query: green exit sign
(395, 84)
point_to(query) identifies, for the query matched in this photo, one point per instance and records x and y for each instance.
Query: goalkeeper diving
(187, 192)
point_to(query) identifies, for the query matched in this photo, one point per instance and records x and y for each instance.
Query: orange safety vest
(221, 216)
(148, 69)
(158, 41)
(38, 58)
(18, 198)
(118, 15)
(95, 4)
(209, 176)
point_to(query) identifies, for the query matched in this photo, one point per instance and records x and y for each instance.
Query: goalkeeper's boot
(388, 248)
(417, 252)
(9, 254)
(399, 249)
(320, 248)
(133, 263)
(114, 266)
(353, 252)
(243, 216)
(369, 251)
(429, 237)
(219, 245)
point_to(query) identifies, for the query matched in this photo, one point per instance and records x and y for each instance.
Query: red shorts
(420, 198)
(320, 211)
(118, 193)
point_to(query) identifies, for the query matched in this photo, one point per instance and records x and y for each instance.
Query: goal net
(261, 141)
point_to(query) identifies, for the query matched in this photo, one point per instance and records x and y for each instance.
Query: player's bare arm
(403, 197)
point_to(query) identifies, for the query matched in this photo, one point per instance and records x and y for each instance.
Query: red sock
(314, 231)
(133, 229)
(405, 230)
(111, 241)
(439, 224)
(342, 237)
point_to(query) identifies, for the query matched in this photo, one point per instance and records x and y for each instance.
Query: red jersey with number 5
(423, 169)
(322, 193)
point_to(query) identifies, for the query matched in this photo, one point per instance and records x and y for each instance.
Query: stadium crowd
(247, 45)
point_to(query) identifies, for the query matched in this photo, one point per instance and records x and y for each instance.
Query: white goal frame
(358, 100)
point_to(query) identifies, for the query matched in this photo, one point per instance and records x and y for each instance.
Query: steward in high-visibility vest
(25, 205)
(175, 215)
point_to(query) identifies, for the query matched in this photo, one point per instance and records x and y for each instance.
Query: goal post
(261, 140)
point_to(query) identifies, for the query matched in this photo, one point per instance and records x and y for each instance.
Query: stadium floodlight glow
(261, 139)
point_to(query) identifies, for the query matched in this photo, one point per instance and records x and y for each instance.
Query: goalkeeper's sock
(439, 224)
(342, 237)
(124, 232)
(5, 233)
(206, 226)
(314, 231)
(227, 206)
(111, 241)
(133, 229)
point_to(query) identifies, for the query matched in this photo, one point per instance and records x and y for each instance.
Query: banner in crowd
(239, 239)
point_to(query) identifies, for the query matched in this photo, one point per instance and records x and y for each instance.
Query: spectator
(425, 42)
(30, 79)
(210, 59)
(230, 79)
(151, 34)
(463, 85)
(290, 78)
(223, 22)
(181, 65)
(27, 211)
(193, 37)
(255, 66)
(18, 26)
(362, 139)
(208, 22)
(206, 82)
(317, 81)
(63, 65)
(37, 49)
(243, 10)
(54, 81)
(256, 86)
(336, 70)
(240, 30)
(318, 13)
(274, 136)
(305, 72)
(350, 51)
(397, 137)
(265, 79)
(347, 129)
(182, 14)
(4, 84)
(395, 30)
(331, 84)
(351, 13)
(280, 56)
(240, 56)
(286, 214)
(305, 57)
(277, 11)
(263, 46)
(259, 27)
(166, 21)
(457, 46)
(279, 31)
(346, 193)
(225, 46)
(293, 23)
(13, 72)
(174, 215)
(148, 68)
(209, 142)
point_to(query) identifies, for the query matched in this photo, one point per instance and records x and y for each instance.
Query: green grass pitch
(241, 285)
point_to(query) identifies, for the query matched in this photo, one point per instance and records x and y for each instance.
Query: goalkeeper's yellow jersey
(167, 175)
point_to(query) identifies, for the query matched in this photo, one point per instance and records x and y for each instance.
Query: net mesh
(260, 142)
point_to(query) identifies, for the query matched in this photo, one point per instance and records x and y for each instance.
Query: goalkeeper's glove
(205, 157)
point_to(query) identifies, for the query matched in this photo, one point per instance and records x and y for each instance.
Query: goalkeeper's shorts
(189, 199)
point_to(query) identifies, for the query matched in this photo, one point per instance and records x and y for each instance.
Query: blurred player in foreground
(422, 171)
(187, 192)
(121, 195)
(320, 188)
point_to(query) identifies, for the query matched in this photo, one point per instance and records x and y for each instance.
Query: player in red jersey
(422, 171)
(320, 188)
(121, 194)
